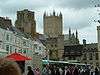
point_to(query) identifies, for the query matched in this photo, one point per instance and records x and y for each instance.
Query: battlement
(23, 14)
(53, 14)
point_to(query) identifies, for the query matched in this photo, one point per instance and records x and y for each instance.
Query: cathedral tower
(53, 28)
(26, 22)
(53, 25)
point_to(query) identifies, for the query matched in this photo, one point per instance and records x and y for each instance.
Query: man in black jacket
(30, 72)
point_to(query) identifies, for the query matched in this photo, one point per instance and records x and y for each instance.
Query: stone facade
(73, 52)
(84, 53)
(55, 48)
(5, 22)
(26, 22)
(90, 54)
(53, 25)
(53, 28)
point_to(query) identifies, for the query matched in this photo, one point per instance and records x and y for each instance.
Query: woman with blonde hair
(8, 67)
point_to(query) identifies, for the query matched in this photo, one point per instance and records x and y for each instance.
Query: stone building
(53, 28)
(73, 52)
(5, 23)
(26, 22)
(71, 38)
(90, 54)
(84, 53)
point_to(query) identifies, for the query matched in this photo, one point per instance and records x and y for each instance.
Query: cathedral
(71, 38)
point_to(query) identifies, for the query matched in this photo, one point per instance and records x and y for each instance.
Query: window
(24, 51)
(24, 43)
(90, 56)
(84, 57)
(55, 45)
(20, 51)
(15, 50)
(51, 45)
(7, 37)
(7, 47)
(39, 48)
(10, 49)
(96, 56)
(35, 46)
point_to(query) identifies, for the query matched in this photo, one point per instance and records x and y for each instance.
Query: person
(37, 71)
(8, 67)
(61, 71)
(44, 71)
(91, 71)
(30, 72)
(96, 71)
(75, 71)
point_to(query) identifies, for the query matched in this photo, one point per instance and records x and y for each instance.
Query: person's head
(8, 67)
(37, 69)
(29, 67)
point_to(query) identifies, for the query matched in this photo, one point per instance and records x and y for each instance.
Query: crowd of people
(70, 70)
(8, 67)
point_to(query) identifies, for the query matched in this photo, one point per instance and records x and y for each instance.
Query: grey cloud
(79, 19)
(77, 3)
(10, 7)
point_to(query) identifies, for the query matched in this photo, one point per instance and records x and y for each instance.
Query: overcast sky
(77, 14)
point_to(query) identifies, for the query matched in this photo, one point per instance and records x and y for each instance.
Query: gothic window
(96, 56)
(90, 56)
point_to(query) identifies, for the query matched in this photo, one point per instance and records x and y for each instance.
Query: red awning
(18, 57)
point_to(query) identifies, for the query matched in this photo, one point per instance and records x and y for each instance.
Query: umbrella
(18, 57)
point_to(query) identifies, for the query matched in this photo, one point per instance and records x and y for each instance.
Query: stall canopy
(18, 57)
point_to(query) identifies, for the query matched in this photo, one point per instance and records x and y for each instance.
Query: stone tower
(26, 22)
(53, 28)
(53, 25)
